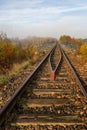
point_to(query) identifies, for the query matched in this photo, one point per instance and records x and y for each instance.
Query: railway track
(80, 66)
(48, 102)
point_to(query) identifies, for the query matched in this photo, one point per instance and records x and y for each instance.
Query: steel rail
(59, 61)
(74, 73)
(50, 58)
(4, 112)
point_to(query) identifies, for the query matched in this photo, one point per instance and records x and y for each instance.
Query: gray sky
(22, 18)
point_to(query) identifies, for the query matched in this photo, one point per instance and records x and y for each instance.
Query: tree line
(11, 53)
(78, 44)
(19, 50)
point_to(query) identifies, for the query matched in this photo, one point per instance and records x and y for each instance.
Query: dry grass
(17, 68)
(3, 79)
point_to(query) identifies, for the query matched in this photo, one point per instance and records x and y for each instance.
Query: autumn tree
(17, 51)
(83, 50)
(7, 52)
(65, 39)
(76, 43)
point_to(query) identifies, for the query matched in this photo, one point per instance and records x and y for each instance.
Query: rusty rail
(53, 72)
(74, 73)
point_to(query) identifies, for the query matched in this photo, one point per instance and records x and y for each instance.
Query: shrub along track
(47, 103)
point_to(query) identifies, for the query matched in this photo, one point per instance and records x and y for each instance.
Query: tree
(65, 39)
(83, 50)
(72, 42)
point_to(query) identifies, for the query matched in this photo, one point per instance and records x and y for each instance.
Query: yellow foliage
(31, 51)
(76, 43)
(83, 50)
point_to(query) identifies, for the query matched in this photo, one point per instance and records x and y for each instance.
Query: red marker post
(52, 75)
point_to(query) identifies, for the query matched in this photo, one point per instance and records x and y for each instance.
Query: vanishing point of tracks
(51, 98)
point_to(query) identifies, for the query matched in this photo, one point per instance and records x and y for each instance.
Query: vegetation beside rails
(78, 46)
(83, 51)
(16, 69)
(19, 54)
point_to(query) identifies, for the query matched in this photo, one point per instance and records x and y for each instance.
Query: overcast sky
(21, 18)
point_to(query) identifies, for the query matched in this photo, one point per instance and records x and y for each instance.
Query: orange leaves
(8, 51)
(7, 56)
